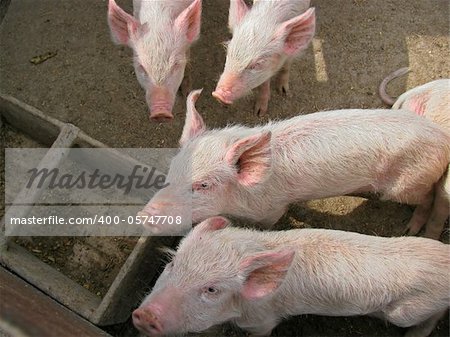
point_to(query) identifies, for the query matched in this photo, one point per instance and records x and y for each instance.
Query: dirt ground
(89, 82)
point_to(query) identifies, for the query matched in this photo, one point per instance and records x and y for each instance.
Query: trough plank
(31, 313)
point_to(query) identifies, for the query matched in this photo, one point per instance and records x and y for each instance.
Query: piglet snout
(147, 220)
(147, 322)
(161, 116)
(222, 96)
(160, 101)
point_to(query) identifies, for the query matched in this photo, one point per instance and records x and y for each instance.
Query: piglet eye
(200, 186)
(210, 293)
(211, 290)
(255, 65)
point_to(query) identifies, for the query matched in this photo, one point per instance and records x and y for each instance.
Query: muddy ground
(89, 82)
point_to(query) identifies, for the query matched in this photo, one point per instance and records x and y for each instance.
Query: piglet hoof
(283, 88)
(411, 230)
(261, 107)
(262, 99)
(408, 232)
(161, 116)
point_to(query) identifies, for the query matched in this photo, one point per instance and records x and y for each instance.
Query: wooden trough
(144, 260)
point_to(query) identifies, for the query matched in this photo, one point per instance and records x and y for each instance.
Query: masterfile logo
(140, 177)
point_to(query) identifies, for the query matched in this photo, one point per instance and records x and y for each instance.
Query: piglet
(160, 34)
(255, 173)
(255, 279)
(431, 100)
(266, 39)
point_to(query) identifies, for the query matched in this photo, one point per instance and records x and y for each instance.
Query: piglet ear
(194, 125)
(297, 32)
(252, 157)
(188, 22)
(238, 9)
(120, 23)
(212, 224)
(264, 272)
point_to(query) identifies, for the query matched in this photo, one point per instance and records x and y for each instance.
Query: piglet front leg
(283, 78)
(186, 84)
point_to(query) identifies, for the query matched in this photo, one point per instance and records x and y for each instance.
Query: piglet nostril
(151, 210)
(145, 320)
(148, 222)
(221, 96)
(162, 116)
(147, 212)
(152, 322)
(136, 316)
